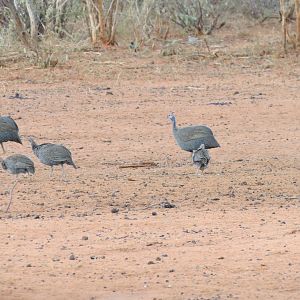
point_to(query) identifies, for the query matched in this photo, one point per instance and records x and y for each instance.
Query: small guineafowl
(52, 155)
(17, 164)
(201, 158)
(9, 131)
(191, 137)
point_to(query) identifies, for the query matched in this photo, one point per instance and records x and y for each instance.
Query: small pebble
(114, 210)
(72, 257)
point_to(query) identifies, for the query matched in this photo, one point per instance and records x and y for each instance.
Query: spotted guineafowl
(9, 131)
(17, 164)
(201, 158)
(52, 155)
(191, 137)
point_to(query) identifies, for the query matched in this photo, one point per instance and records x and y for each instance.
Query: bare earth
(235, 231)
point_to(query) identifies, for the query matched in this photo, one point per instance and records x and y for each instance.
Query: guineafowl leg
(11, 193)
(2, 148)
(63, 174)
(51, 173)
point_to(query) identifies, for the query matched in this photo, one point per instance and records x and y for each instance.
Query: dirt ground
(234, 232)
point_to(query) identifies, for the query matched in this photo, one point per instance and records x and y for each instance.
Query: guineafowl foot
(198, 172)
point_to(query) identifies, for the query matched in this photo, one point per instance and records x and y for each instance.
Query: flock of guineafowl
(195, 139)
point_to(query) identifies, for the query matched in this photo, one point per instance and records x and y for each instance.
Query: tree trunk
(283, 23)
(92, 21)
(32, 18)
(102, 29)
(101, 17)
(111, 22)
(297, 8)
(60, 16)
(20, 26)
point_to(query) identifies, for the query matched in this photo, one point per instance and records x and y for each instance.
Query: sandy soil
(235, 231)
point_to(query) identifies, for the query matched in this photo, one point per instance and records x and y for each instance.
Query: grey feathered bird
(201, 158)
(17, 164)
(52, 155)
(9, 131)
(191, 137)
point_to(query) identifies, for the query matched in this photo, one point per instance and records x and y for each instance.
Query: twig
(207, 46)
(268, 17)
(141, 165)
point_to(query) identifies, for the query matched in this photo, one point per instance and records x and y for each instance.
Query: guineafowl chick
(52, 155)
(201, 158)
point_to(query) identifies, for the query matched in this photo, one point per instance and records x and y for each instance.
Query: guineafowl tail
(72, 164)
(18, 140)
(31, 170)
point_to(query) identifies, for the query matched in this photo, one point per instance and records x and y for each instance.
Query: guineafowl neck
(174, 124)
(34, 145)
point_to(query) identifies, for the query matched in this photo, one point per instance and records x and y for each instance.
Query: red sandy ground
(235, 231)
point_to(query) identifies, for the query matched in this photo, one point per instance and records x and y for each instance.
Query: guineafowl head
(32, 142)
(171, 117)
(2, 163)
(202, 147)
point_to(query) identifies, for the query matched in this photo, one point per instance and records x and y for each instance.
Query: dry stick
(206, 44)
(142, 165)
(113, 25)
(267, 17)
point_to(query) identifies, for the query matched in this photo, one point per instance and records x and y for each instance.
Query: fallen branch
(140, 165)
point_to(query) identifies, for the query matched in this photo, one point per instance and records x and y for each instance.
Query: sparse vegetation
(40, 30)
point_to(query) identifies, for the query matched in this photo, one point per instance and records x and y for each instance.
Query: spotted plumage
(190, 138)
(52, 154)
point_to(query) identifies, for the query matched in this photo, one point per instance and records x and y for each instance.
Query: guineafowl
(52, 155)
(17, 164)
(9, 131)
(201, 158)
(191, 137)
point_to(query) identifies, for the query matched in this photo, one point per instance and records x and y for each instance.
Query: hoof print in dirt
(17, 96)
(166, 204)
(221, 103)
